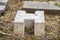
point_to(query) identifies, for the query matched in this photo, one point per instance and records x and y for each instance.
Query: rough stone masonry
(21, 16)
(3, 5)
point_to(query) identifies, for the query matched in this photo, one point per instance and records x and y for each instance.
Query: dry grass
(52, 25)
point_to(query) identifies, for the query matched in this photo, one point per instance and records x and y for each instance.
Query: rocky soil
(52, 25)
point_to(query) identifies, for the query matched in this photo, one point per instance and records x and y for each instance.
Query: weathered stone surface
(19, 29)
(21, 16)
(2, 8)
(4, 2)
(38, 17)
(40, 5)
(3, 5)
(39, 29)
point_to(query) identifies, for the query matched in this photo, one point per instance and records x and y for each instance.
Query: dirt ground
(52, 24)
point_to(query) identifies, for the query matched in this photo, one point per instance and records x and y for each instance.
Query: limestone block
(2, 9)
(39, 25)
(19, 29)
(39, 29)
(3, 5)
(30, 5)
(37, 17)
(4, 2)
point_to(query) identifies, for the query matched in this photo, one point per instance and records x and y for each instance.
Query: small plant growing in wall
(56, 4)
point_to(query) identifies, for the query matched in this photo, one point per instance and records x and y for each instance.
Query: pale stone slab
(19, 29)
(2, 9)
(39, 29)
(21, 16)
(4, 1)
(3, 5)
(40, 5)
(38, 16)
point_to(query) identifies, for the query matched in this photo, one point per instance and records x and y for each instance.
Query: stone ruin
(33, 11)
(22, 17)
(3, 5)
